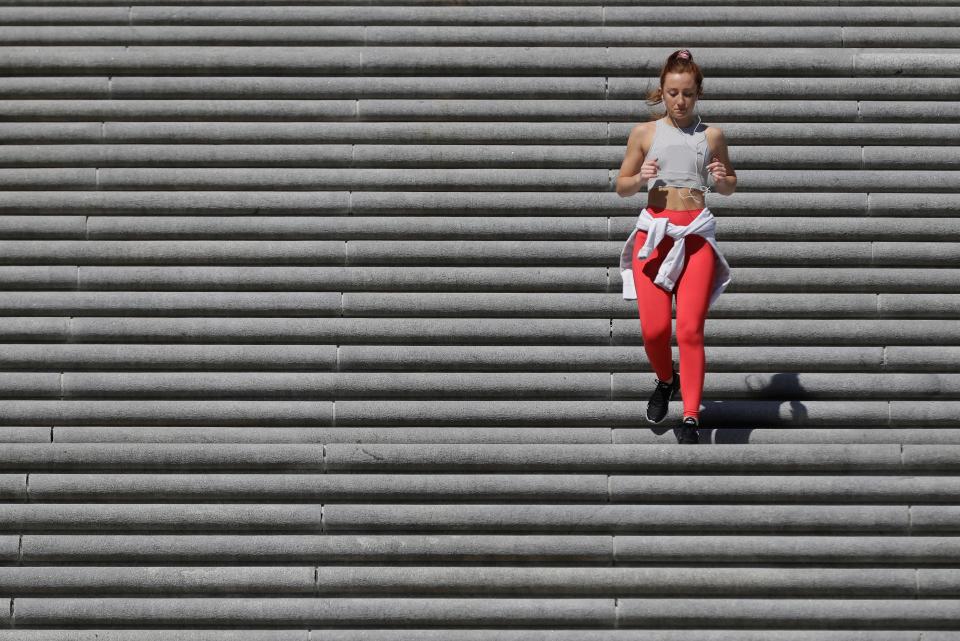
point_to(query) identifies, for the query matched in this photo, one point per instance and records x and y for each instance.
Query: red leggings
(693, 296)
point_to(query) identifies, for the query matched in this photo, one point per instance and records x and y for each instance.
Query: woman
(673, 248)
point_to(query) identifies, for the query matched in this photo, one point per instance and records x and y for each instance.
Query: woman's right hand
(648, 169)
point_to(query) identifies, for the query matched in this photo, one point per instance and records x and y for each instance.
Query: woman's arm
(628, 182)
(723, 173)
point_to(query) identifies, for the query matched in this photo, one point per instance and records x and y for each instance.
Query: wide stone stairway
(313, 327)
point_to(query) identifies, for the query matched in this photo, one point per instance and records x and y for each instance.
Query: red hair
(680, 61)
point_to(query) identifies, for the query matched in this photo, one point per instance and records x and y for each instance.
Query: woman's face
(679, 94)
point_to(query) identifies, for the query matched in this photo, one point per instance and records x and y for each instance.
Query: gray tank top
(680, 164)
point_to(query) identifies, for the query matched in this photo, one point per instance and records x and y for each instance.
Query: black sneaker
(688, 431)
(660, 399)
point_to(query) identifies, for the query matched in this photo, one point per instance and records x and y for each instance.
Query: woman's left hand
(717, 169)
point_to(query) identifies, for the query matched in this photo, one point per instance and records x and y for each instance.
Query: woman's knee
(655, 330)
(690, 332)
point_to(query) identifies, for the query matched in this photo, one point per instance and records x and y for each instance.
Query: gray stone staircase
(313, 327)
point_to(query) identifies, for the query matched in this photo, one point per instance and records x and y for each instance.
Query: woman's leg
(654, 304)
(693, 299)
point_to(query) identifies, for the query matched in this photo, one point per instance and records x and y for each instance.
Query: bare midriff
(675, 198)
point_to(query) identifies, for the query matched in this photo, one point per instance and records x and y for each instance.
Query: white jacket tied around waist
(703, 225)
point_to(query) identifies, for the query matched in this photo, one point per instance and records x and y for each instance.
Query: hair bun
(685, 54)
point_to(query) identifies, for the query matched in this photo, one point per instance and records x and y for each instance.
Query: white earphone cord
(707, 188)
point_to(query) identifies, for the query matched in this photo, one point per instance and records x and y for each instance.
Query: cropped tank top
(682, 157)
